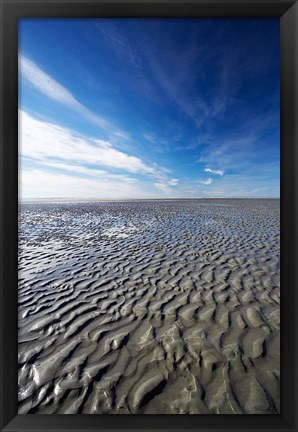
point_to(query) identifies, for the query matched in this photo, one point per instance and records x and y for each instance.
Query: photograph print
(149, 210)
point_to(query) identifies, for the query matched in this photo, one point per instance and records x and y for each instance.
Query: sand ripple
(149, 307)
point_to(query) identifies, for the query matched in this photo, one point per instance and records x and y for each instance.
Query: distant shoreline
(92, 200)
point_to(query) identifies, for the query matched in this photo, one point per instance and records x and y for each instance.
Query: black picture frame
(11, 11)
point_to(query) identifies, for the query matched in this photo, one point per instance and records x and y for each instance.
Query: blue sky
(149, 108)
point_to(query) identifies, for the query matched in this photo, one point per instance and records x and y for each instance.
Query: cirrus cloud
(212, 171)
(47, 146)
(207, 182)
(41, 140)
(47, 85)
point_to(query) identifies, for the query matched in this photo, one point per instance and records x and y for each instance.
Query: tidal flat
(149, 307)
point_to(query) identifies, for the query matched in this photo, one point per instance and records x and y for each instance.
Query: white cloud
(41, 140)
(166, 185)
(73, 156)
(108, 156)
(39, 184)
(44, 83)
(90, 172)
(212, 171)
(207, 182)
(51, 88)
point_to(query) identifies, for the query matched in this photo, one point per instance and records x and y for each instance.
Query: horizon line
(91, 199)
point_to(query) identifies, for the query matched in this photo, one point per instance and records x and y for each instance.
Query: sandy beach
(149, 307)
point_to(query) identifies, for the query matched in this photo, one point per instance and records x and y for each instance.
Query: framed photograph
(148, 215)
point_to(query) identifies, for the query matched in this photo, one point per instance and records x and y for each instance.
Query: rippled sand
(149, 307)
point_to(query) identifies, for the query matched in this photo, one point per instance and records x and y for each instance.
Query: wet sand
(149, 307)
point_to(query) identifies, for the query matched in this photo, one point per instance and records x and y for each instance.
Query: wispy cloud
(207, 182)
(106, 155)
(257, 190)
(37, 183)
(130, 56)
(212, 171)
(47, 85)
(58, 148)
(191, 96)
(120, 44)
(87, 171)
(166, 185)
(243, 185)
(231, 153)
(122, 134)
(176, 74)
(42, 140)
(162, 186)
